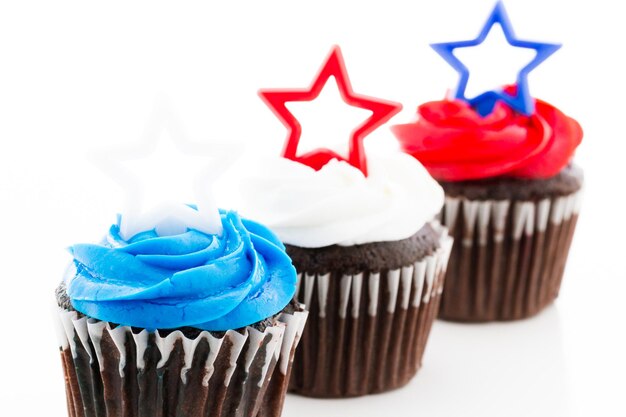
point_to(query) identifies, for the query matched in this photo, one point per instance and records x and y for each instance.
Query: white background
(78, 75)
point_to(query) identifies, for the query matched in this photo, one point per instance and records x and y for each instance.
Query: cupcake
(189, 324)
(513, 195)
(369, 255)
(370, 261)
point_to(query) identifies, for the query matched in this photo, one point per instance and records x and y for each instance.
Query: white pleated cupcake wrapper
(388, 295)
(416, 282)
(279, 341)
(486, 223)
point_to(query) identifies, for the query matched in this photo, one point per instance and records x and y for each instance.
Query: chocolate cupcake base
(511, 245)
(121, 371)
(367, 329)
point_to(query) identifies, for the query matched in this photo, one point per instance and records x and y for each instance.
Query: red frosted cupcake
(512, 194)
(512, 201)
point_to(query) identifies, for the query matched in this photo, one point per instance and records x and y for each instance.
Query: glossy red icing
(455, 143)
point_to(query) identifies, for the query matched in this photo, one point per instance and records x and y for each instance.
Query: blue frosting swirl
(192, 279)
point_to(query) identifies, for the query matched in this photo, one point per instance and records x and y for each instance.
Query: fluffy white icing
(338, 204)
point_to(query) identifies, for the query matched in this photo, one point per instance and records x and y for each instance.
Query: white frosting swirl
(338, 204)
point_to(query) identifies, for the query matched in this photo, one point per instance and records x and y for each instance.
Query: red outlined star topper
(334, 66)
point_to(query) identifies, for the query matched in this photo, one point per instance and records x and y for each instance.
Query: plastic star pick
(162, 176)
(334, 66)
(484, 103)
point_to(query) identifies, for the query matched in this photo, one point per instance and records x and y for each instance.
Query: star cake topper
(334, 66)
(484, 103)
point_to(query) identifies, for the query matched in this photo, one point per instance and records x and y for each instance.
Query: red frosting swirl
(455, 143)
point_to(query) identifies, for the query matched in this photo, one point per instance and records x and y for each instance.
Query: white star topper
(161, 177)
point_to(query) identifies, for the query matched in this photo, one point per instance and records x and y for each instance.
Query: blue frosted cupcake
(191, 324)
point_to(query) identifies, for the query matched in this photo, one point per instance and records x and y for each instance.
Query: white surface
(77, 75)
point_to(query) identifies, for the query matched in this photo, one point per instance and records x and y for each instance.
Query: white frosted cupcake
(370, 262)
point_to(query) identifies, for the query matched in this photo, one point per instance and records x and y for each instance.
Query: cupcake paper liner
(509, 256)
(367, 332)
(123, 372)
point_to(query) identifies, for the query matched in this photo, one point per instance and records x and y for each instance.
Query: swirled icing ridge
(338, 205)
(192, 279)
(455, 143)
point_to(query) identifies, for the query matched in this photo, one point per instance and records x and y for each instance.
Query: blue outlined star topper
(485, 102)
